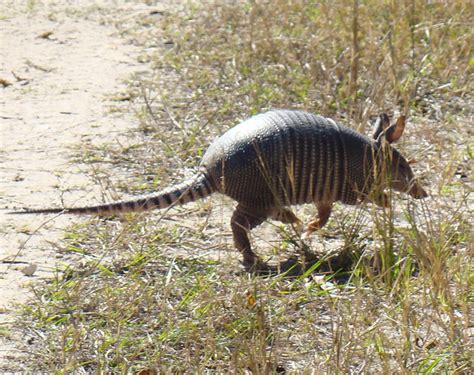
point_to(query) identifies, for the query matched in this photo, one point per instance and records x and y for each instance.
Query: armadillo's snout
(416, 191)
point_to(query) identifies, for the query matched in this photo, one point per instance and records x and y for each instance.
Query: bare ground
(61, 69)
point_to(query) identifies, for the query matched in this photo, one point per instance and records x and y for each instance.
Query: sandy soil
(60, 70)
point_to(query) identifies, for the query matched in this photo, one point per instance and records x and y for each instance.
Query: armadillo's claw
(312, 226)
(417, 191)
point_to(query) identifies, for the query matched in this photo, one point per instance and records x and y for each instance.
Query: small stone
(29, 270)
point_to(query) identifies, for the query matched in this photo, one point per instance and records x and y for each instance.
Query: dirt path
(62, 68)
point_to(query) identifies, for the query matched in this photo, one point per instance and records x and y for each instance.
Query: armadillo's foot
(324, 211)
(313, 226)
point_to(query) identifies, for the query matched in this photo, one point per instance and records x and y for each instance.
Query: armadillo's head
(399, 173)
(402, 177)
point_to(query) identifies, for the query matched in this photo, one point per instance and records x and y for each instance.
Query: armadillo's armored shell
(281, 158)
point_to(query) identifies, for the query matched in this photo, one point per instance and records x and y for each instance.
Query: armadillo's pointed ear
(382, 123)
(394, 132)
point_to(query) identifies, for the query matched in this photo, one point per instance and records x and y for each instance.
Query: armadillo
(281, 158)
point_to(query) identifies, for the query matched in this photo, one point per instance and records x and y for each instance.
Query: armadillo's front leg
(381, 200)
(324, 211)
(243, 220)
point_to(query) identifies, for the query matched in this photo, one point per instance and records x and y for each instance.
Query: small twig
(45, 34)
(18, 78)
(5, 83)
(38, 67)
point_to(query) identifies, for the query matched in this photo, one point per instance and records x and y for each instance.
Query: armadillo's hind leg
(324, 211)
(243, 220)
(285, 215)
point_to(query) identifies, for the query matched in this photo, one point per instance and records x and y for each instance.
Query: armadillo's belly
(278, 158)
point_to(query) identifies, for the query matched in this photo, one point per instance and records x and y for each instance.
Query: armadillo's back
(281, 158)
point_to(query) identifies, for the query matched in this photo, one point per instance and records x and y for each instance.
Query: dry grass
(164, 292)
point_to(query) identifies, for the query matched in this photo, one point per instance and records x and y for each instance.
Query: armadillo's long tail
(189, 191)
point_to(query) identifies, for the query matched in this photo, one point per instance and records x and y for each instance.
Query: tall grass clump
(393, 287)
